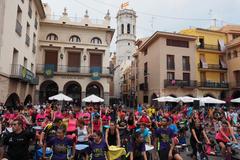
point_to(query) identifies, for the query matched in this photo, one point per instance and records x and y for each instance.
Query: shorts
(219, 140)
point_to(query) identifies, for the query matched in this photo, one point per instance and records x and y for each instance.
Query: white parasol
(93, 98)
(60, 97)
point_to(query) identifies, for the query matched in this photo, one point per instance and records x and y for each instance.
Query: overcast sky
(153, 15)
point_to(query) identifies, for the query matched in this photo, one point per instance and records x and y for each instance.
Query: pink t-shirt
(219, 136)
(79, 115)
(58, 114)
(72, 125)
(40, 118)
(86, 118)
(96, 125)
(105, 120)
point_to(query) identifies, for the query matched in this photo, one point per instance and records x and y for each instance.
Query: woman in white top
(82, 139)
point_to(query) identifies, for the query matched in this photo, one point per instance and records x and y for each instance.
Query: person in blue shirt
(145, 133)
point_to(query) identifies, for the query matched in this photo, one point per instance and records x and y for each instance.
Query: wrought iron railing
(212, 66)
(69, 69)
(213, 85)
(20, 72)
(180, 83)
(209, 47)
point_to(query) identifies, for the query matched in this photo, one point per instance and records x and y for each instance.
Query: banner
(95, 72)
(49, 70)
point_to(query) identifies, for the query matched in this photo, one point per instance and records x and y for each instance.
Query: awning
(203, 61)
(222, 45)
(223, 64)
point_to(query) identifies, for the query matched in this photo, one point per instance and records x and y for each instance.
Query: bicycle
(201, 152)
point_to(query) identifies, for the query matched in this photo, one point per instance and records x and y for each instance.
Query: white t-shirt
(82, 134)
(234, 117)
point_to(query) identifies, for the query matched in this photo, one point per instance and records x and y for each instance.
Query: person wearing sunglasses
(18, 141)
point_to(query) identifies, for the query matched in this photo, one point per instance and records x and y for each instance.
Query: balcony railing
(30, 11)
(209, 47)
(21, 73)
(27, 40)
(212, 66)
(34, 81)
(180, 83)
(143, 87)
(34, 48)
(41, 68)
(213, 85)
(18, 28)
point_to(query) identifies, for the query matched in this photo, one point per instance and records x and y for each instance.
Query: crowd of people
(100, 132)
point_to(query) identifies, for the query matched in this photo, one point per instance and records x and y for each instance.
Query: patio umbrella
(166, 99)
(237, 100)
(60, 97)
(211, 100)
(93, 98)
(187, 99)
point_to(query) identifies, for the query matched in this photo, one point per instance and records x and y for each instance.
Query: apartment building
(210, 62)
(19, 31)
(73, 56)
(165, 65)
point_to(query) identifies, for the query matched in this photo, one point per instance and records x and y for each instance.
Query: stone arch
(95, 88)
(28, 100)
(74, 90)
(173, 95)
(236, 94)
(13, 100)
(209, 95)
(47, 89)
(153, 102)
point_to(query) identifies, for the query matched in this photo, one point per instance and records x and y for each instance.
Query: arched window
(128, 28)
(122, 28)
(52, 36)
(96, 40)
(74, 38)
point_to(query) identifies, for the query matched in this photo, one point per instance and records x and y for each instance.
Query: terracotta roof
(234, 43)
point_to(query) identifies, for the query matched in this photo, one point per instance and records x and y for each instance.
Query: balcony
(18, 28)
(209, 47)
(34, 48)
(34, 81)
(212, 67)
(21, 73)
(27, 41)
(180, 83)
(213, 85)
(143, 87)
(30, 11)
(43, 68)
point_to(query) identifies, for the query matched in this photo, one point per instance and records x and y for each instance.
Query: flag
(124, 5)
